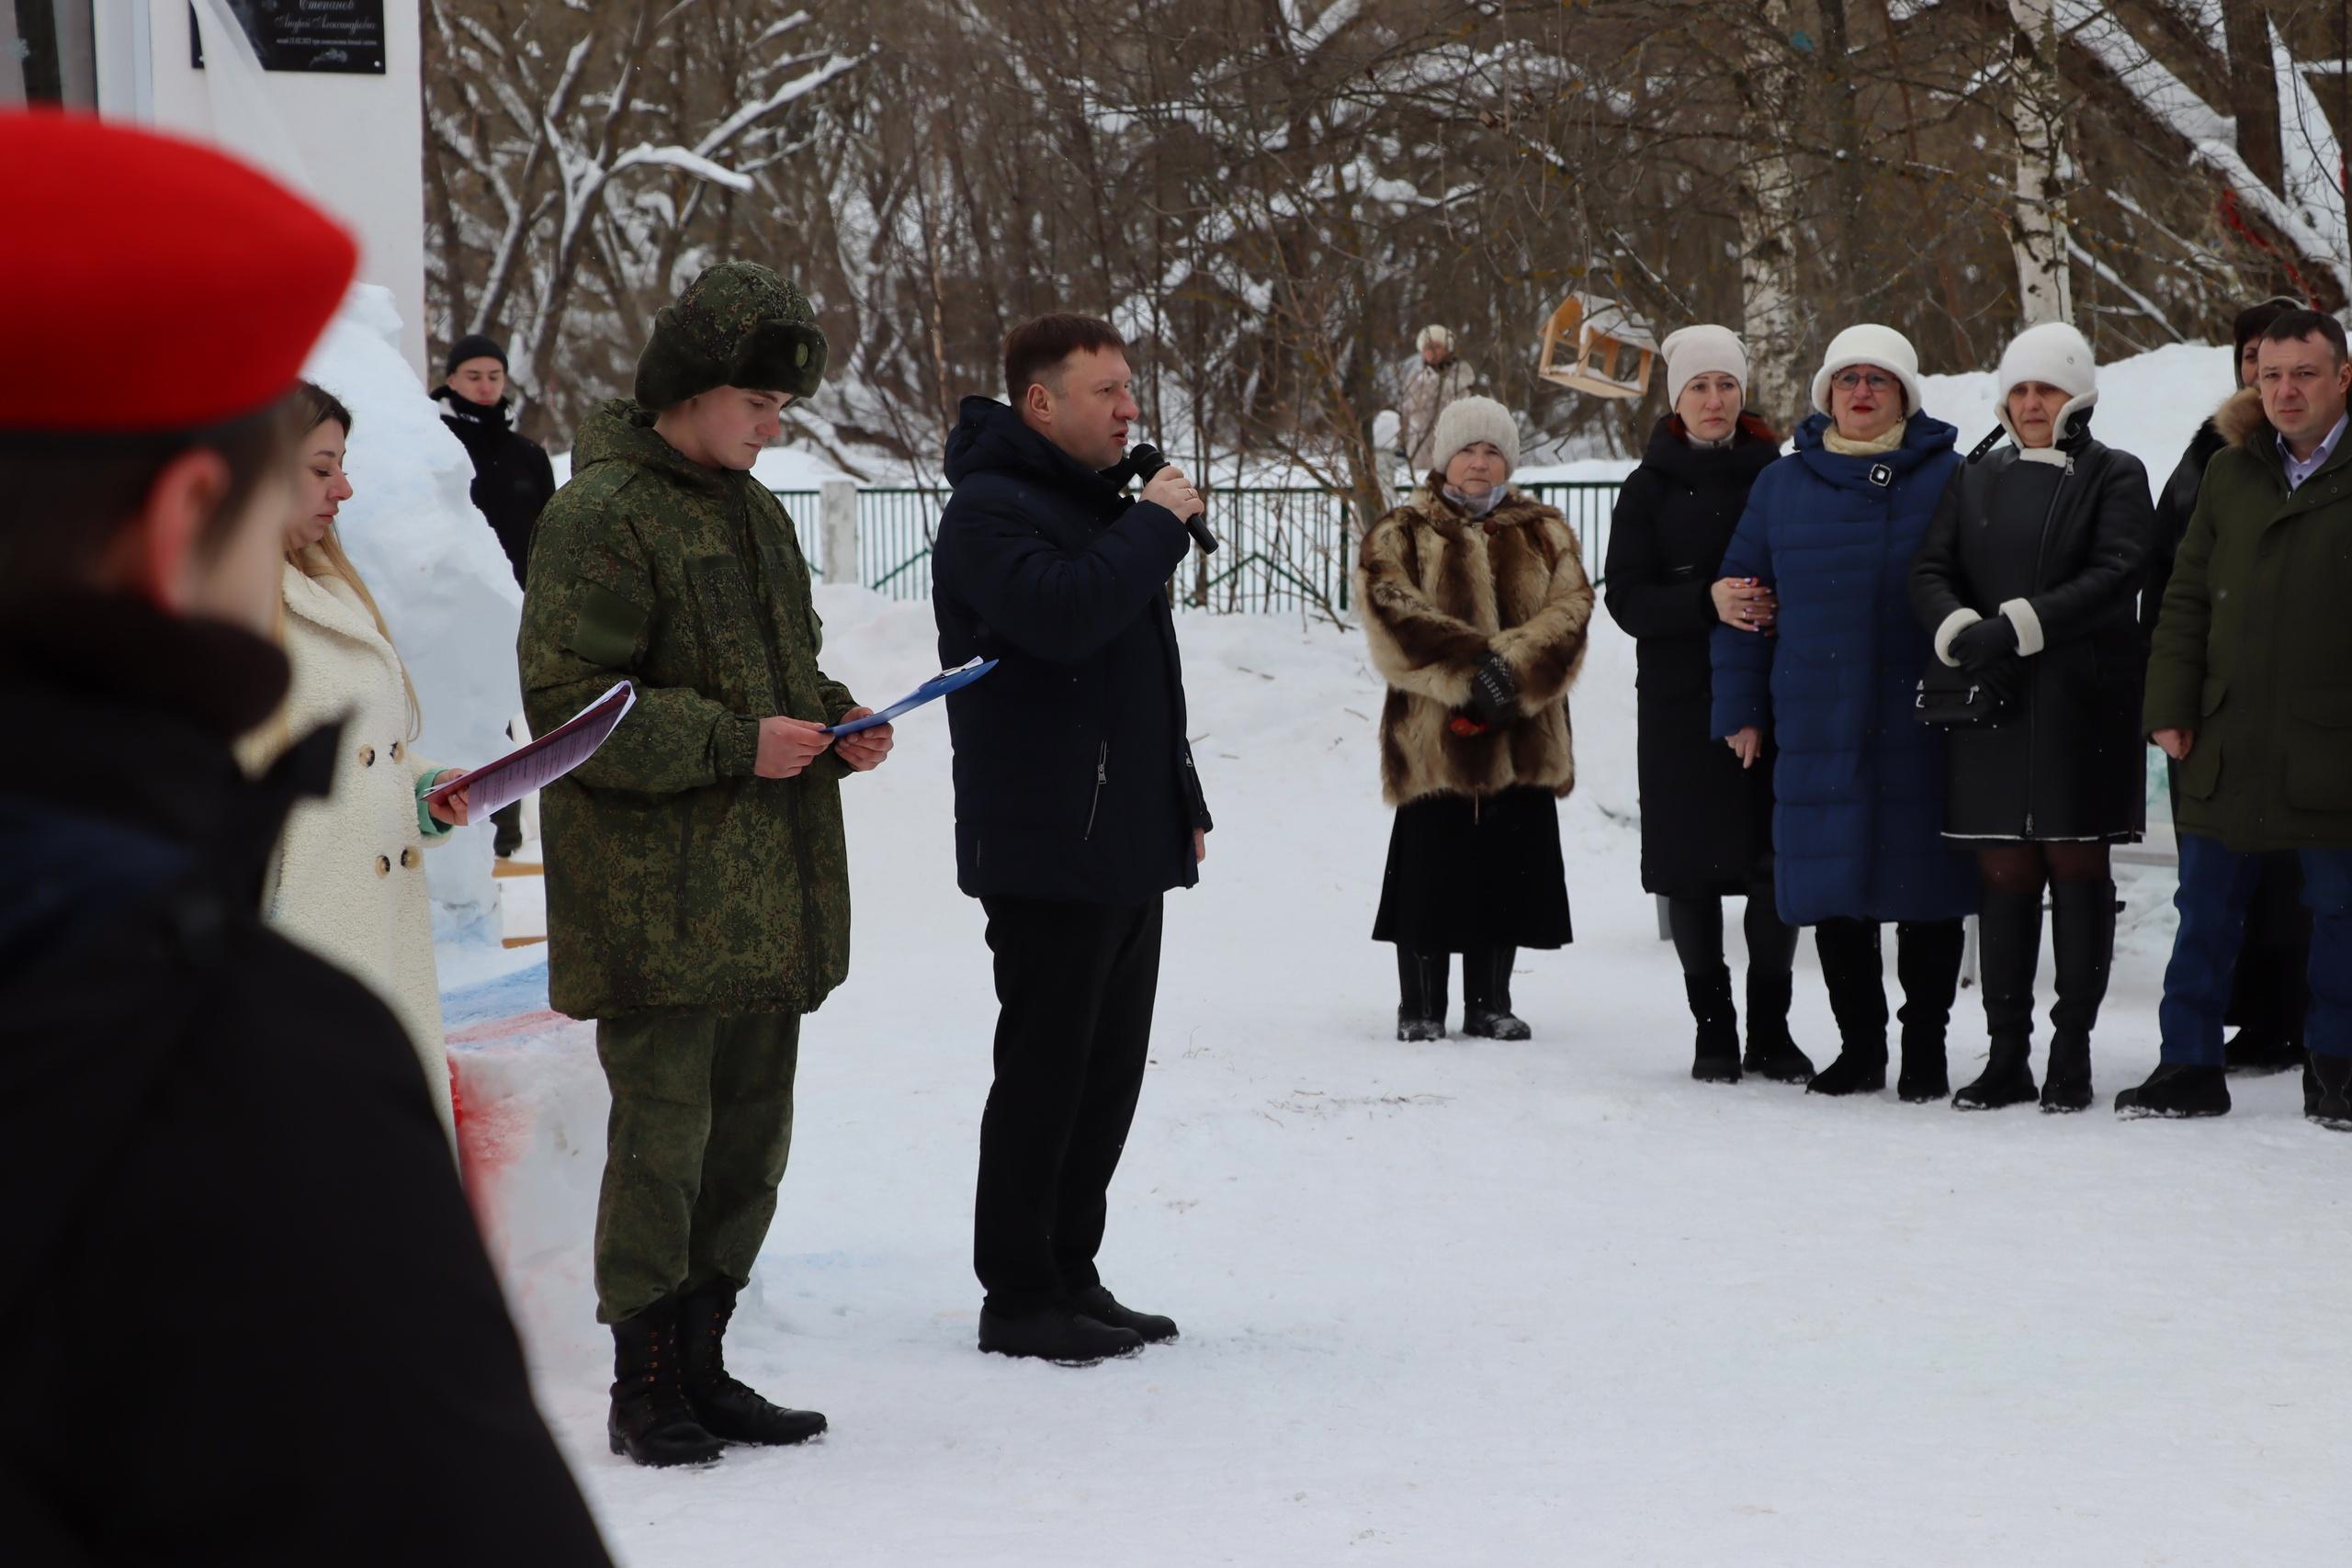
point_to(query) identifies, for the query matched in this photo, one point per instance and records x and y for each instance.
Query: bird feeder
(1595, 345)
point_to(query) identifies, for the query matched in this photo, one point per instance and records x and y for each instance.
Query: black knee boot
(2008, 951)
(1927, 960)
(1420, 989)
(1851, 969)
(1715, 1057)
(1772, 1052)
(1486, 995)
(2082, 943)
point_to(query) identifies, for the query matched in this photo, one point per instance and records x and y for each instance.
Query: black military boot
(725, 1406)
(1849, 968)
(2009, 932)
(650, 1420)
(1486, 995)
(2176, 1089)
(1772, 1052)
(2327, 1091)
(1101, 1306)
(1927, 961)
(1715, 1057)
(1420, 989)
(2082, 946)
(1059, 1333)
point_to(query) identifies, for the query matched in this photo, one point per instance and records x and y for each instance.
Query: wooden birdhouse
(1595, 345)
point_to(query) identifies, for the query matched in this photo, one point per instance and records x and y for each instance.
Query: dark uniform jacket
(1074, 781)
(244, 1313)
(512, 479)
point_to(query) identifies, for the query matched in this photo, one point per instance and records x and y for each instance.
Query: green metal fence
(1282, 550)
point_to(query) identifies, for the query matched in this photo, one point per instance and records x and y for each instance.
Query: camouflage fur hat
(737, 326)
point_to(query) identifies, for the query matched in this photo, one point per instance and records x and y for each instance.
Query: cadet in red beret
(245, 1317)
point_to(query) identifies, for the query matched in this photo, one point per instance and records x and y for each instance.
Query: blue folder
(930, 691)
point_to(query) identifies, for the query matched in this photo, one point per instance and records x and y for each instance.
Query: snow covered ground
(1465, 1302)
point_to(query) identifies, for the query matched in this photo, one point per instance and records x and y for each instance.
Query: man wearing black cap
(244, 1316)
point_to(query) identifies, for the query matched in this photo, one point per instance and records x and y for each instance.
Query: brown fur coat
(1439, 590)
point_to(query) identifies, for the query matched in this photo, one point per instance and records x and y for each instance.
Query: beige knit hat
(1468, 419)
(1696, 351)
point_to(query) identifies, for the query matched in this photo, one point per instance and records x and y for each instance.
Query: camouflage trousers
(700, 1129)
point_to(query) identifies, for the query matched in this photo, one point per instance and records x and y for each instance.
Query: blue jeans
(2217, 883)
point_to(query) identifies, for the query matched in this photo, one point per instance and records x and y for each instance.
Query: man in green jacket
(2250, 692)
(697, 881)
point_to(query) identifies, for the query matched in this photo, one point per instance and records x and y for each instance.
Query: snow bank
(434, 567)
(2149, 405)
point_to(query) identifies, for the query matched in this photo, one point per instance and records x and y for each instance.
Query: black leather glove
(1494, 692)
(2002, 677)
(1991, 639)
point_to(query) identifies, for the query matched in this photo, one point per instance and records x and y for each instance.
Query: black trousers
(1075, 985)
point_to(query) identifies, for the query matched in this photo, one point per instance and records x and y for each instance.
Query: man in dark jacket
(2267, 999)
(697, 875)
(1077, 808)
(2246, 692)
(245, 1313)
(512, 481)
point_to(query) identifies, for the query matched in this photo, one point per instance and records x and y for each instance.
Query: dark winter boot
(2269, 997)
(1055, 1333)
(2177, 1089)
(1486, 995)
(2327, 1091)
(1103, 1307)
(727, 1408)
(1420, 989)
(2009, 933)
(1849, 968)
(650, 1420)
(2082, 946)
(1927, 961)
(1716, 1056)
(1771, 1053)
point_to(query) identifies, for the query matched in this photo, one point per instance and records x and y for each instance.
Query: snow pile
(434, 566)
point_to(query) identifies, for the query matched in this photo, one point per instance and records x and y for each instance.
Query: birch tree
(2038, 202)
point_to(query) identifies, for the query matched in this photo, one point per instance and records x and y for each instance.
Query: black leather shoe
(1055, 1333)
(1854, 1072)
(2175, 1089)
(726, 1407)
(649, 1420)
(1103, 1307)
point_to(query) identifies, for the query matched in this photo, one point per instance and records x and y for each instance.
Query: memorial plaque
(344, 36)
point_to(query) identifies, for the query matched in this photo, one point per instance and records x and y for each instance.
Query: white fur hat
(1468, 419)
(1441, 336)
(1698, 351)
(1869, 343)
(2056, 354)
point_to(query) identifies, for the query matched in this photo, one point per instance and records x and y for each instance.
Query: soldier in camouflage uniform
(697, 881)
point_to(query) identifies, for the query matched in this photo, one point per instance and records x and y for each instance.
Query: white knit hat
(1467, 420)
(1699, 351)
(2057, 354)
(1870, 344)
(1441, 336)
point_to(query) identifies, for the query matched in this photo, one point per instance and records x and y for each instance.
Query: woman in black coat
(1706, 821)
(2028, 579)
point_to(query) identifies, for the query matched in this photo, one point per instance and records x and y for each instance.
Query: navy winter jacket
(1859, 792)
(1073, 778)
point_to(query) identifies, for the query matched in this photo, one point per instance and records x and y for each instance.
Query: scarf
(1476, 508)
(1847, 447)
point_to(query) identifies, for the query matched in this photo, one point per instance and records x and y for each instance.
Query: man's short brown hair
(2297, 326)
(1036, 349)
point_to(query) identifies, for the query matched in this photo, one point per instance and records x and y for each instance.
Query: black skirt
(1465, 874)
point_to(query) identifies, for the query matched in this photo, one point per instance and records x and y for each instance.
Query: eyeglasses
(1846, 381)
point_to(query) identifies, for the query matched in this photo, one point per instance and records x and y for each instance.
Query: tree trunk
(2038, 206)
(2254, 88)
(1768, 221)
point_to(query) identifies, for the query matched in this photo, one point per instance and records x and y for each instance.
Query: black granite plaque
(346, 36)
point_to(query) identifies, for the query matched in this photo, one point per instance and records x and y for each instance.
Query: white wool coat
(348, 881)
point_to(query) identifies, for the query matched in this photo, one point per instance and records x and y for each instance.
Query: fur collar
(2241, 419)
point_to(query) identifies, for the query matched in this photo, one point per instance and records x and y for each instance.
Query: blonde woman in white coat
(349, 879)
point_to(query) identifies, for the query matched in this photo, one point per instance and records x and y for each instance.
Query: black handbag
(1951, 698)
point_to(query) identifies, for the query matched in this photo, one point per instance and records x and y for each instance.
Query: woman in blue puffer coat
(1859, 790)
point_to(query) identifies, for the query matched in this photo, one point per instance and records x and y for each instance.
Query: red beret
(149, 283)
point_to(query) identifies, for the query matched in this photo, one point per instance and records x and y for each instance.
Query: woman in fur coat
(348, 881)
(1476, 603)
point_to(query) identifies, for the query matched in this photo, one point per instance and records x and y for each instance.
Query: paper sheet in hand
(499, 785)
(930, 691)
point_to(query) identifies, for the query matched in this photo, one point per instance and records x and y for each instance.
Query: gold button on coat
(383, 865)
(411, 858)
(366, 756)
(397, 752)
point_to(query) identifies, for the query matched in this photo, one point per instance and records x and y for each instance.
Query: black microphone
(1143, 461)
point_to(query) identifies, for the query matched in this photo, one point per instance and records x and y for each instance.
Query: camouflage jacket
(676, 880)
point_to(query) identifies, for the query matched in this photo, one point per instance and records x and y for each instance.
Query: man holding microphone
(1077, 808)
